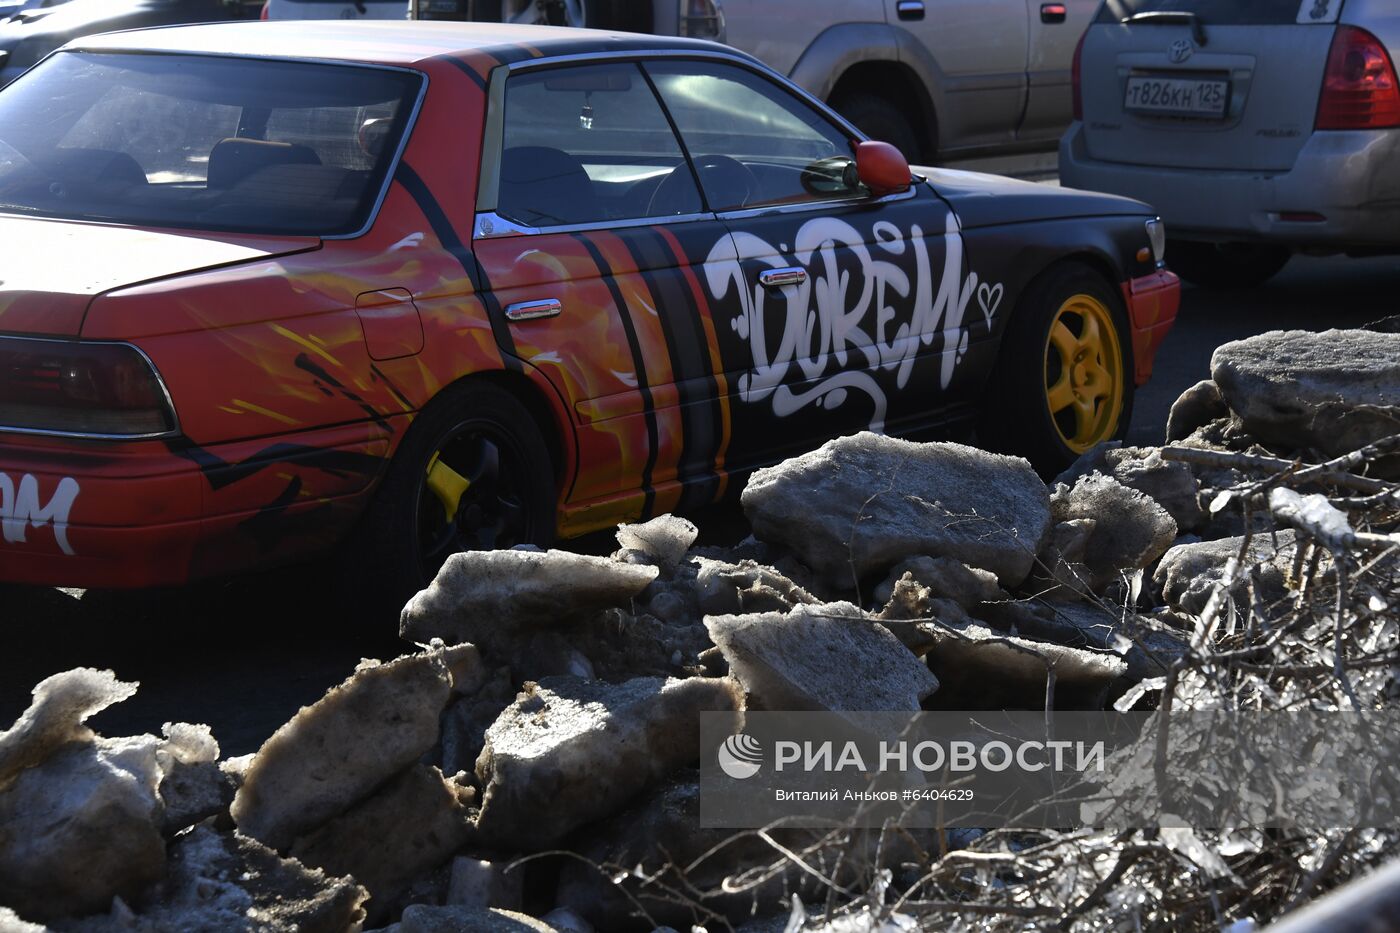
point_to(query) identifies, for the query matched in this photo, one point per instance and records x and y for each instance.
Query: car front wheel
(1064, 379)
(1226, 265)
(472, 473)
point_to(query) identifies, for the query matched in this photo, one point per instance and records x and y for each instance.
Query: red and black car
(459, 285)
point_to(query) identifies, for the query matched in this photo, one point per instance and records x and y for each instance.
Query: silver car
(1258, 128)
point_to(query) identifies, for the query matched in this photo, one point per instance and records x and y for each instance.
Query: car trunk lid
(50, 270)
(1245, 99)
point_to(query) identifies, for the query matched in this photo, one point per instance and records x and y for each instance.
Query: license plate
(1187, 97)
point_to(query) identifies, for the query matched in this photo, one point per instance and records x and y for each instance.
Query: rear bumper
(1153, 302)
(1346, 177)
(89, 514)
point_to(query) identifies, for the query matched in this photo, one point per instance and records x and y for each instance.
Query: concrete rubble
(825, 658)
(1335, 391)
(553, 699)
(569, 751)
(1130, 531)
(481, 593)
(336, 752)
(1190, 574)
(860, 504)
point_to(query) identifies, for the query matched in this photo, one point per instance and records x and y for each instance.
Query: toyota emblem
(1181, 50)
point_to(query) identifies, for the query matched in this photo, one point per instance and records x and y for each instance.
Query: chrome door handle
(530, 310)
(777, 278)
(910, 9)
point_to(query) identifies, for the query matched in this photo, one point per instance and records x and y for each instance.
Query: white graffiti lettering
(858, 328)
(20, 508)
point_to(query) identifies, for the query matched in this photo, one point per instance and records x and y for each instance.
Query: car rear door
(1055, 29)
(979, 48)
(592, 241)
(1206, 84)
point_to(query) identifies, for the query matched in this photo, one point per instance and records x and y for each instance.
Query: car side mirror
(882, 168)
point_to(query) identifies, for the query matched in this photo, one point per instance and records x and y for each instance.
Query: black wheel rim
(473, 496)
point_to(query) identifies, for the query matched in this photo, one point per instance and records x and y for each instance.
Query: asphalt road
(244, 655)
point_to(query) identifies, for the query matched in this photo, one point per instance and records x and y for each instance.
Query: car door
(979, 50)
(856, 309)
(1055, 28)
(592, 241)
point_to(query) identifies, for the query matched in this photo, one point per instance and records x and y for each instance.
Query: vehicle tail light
(70, 387)
(702, 19)
(263, 14)
(1359, 90)
(1077, 77)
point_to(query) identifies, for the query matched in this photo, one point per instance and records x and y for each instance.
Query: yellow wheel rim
(447, 485)
(1084, 373)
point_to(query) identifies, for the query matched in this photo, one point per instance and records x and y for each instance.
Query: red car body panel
(296, 364)
(1153, 302)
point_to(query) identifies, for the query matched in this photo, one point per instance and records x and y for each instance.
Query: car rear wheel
(473, 473)
(1064, 380)
(1226, 265)
(880, 119)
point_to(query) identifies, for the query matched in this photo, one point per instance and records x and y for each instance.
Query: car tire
(1063, 382)
(878, 118)
(1226, 265)
(473, 431)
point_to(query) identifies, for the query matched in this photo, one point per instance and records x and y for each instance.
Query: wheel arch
(544, 406)
(880, 78)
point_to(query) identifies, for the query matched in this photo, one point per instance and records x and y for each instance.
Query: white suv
(941, 79)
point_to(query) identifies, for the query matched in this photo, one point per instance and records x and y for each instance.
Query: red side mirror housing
(882, 168)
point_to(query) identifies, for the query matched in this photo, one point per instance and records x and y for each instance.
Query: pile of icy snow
(556, 703)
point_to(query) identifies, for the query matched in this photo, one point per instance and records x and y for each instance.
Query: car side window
(753, 143)
(587, 145)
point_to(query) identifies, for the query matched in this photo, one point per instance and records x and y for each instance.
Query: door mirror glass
(882, 168)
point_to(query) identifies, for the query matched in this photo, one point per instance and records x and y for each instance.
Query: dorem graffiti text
(939, 757)
(20, 508)
(880, 317)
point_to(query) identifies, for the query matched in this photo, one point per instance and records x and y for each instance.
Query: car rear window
(202, 142)
(1228, 12)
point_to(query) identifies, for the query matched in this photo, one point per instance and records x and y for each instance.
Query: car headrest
(541, 186)
(104, 166)
(232, 160)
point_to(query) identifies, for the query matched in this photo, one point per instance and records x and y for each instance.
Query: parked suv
(942, 79)
(1256, 127)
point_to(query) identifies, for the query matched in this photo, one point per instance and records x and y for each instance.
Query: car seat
(234, 159)
(542, 186)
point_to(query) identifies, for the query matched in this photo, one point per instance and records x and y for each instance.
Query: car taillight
(702, 19)
(71, 387)
(1359, 90)
(1076, 77)
(263, 14)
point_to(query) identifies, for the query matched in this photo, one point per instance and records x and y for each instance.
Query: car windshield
(1217, 12)
(201, 142)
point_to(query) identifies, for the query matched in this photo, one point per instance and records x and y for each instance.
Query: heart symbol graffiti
(989, 298)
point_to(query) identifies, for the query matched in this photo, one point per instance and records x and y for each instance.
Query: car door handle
(530, 310)
(910, 9)
(777, 278)
(1053, 13)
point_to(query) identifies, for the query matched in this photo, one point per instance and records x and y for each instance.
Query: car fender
(838, 49)
(1017, 254)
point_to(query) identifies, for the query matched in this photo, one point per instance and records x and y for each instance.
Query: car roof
(388, 42)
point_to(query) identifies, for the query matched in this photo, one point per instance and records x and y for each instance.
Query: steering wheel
(729, 184)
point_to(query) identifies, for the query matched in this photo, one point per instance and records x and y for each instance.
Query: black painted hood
(982, 200)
